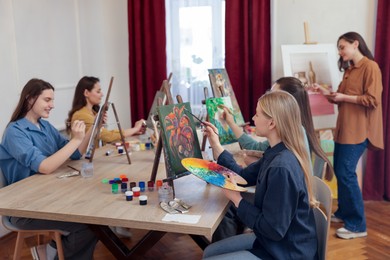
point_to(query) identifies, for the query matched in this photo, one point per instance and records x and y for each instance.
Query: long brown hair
(282, 107)
(79, 100)
(31, 91)
(294, 87)
(351, 37)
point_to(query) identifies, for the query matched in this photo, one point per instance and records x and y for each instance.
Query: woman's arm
(51, 163)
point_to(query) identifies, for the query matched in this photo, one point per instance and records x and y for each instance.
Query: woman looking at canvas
(87, 97)
(359, 124)
(32, 145)
(281, 216)
(294, 87)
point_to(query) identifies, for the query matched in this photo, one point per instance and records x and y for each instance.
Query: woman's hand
(78, 130)
(140, 127)
(212, 134)
(227, 115)
(234, 196)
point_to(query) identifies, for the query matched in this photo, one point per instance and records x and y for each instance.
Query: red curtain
(147, 48)
(377, 178)
(248, 51)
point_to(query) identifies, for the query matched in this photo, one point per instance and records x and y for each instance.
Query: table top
(88, 200)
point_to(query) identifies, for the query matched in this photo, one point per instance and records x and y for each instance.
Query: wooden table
(88, 200)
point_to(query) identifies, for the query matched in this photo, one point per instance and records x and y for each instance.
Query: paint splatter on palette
(213, 173)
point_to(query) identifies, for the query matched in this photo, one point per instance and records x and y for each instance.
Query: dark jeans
(350, 199)
(78, 243)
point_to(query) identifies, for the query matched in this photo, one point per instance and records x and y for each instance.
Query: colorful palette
(213, 173)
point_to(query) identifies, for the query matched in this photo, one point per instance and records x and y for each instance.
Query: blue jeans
(233, 248)
(350, 199)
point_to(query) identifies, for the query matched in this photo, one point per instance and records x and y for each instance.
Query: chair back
(322, 232)
(323, 195)
(319, 166)
(2, 179)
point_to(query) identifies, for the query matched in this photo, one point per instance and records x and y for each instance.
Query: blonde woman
(281, 217)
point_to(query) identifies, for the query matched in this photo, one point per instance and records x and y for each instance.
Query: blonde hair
(284, 110)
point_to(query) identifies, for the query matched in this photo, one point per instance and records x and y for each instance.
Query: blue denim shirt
(24, 146)
(280, 217)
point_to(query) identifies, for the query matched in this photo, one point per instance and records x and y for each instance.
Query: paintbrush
(197, 118)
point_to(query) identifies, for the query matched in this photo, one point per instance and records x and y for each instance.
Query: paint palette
(213, 173)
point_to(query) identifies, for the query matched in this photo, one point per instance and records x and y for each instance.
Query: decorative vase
(302, 78)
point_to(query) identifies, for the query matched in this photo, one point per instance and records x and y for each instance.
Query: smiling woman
(31, 145)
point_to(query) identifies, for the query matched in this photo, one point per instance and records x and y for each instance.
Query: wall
(327, 21)
(61, 41)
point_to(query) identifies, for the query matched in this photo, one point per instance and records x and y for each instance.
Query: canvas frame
(323, 57)
(174, 133)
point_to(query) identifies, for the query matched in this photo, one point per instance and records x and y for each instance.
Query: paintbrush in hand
(197, 118)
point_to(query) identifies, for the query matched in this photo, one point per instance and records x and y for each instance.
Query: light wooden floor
(177, 246)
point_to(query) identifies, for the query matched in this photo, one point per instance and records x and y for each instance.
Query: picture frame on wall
(315, 63)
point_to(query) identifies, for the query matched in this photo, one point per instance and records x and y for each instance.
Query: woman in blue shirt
(32, 145)
(281, 217)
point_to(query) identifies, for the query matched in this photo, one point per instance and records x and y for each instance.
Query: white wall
(61, 41)
(327, 21)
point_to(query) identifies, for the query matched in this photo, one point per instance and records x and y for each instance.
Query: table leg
(119, 249)
(201, 241)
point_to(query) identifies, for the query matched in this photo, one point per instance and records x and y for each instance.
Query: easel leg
(121, 133)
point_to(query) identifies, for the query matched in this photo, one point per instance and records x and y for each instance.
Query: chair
(319, 166)
(23, 234)
(322, 214)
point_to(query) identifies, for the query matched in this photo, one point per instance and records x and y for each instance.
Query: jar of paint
(129, 195)
(136, 191)
(143, 200)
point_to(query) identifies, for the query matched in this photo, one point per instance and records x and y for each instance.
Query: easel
(206, 96)
(166, 88)
(307, 35)
(98, 125)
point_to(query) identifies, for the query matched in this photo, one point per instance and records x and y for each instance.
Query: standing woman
(281, 216)
(32, 145)
(86, 104)
(359, 124)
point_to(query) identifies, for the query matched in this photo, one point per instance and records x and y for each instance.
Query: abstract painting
(214, 110)
(213, 173)
(221, 86)
(179, 136)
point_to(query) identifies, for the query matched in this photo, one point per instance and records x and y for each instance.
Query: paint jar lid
(136, 189)
(129, 193)
(143, 197)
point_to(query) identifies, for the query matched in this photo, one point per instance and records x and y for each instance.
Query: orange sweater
(88, 117)
(361, 121)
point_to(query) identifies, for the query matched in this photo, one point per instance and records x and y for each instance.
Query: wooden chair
(322, 214)
(23, 234)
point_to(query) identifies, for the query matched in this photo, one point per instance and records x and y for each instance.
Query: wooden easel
(307, 34)
(98, 125)
(166, 88)
(206, 96)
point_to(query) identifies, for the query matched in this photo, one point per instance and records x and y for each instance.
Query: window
(195, 43)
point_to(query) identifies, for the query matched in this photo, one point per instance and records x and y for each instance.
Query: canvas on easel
(214, 110)
(221, 87)
(179, 137)
(159, 99)
(97, 125)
